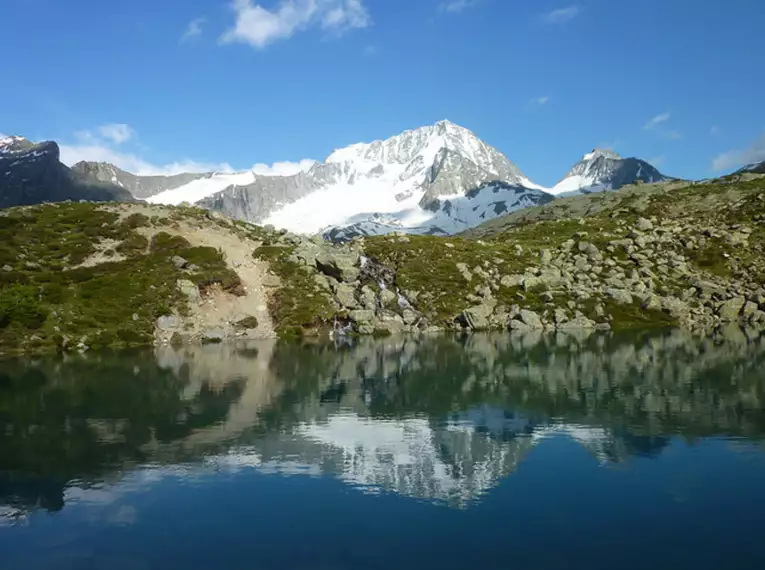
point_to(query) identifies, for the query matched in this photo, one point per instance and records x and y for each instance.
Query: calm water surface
(496, 451)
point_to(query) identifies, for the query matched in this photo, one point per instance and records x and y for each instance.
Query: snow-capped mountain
(602, 170)
(31, 173)
(438, 179)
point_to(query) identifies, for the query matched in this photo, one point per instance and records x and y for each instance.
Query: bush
(164, 242)
(136, 220)
(19, 304)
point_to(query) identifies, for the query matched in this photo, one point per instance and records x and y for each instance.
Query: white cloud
(657, 120)
(371, 50)
(562, 15)
(99, 146)
(456, 6)
(282, 168)
(658, 161)
(735, 158)
(258, 26)
(193, 30)
(672, 134)
(118, 133)
(102, 152)
(543, 100)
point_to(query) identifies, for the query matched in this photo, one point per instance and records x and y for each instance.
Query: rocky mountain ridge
(32, 173)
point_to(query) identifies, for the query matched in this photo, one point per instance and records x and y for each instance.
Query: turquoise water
(497, 451)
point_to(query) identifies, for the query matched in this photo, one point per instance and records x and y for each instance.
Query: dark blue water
(640, 451)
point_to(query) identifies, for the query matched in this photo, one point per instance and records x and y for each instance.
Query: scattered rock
(168, 322)
(730, 310)
(387, 297)
(212, 336)
(477, 317)
(531, 319)
(341, 266)
(346, 296)
(362, 316)
(368, 298)
(579, 322)
(179, 262)
(511, 280)
(189, 289)
(248, 322)
(464, 271)
(620, 296)
(644, 224)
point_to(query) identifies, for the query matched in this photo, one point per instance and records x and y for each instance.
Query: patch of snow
(202, 188)
(572, 183)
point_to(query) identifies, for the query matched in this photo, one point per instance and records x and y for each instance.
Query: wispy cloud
(456, 6)
(657, 123)
(97, 145)
(543, 100)
(193, 30)
(735, 158)
(561, 15)
(117, 133)
(371, 50)
(653, 122)
(282, 168)
(259, 27)
(714, 130)
(657, 161)
(103, 152)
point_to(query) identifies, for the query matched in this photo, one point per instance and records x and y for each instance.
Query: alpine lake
(577, 450)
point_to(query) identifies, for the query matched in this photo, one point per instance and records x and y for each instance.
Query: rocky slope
(603, 170)
(668, 254)
(31, 173)
(653, 255)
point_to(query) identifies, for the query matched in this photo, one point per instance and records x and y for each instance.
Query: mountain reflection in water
(442, 418)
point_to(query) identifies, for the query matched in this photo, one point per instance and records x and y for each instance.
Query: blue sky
(175, 84)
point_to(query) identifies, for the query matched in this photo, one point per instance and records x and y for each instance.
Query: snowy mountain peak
(15, 144)
(601, 153)
(602, 170)
(422, 146)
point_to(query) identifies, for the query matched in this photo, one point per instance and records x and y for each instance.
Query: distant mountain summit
(32, 173)
(437, 179)
(602, 170)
